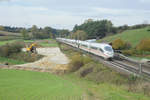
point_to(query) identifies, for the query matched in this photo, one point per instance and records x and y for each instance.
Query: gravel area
(53, 58)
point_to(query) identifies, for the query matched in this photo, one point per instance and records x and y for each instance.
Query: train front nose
(110, 54)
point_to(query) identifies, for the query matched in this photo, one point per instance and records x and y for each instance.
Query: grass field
(10, 61)
(7, 36)
(5, 42)
(26, 85)
(44, 42)
(105, 91)
(4, 33)
(132, 36)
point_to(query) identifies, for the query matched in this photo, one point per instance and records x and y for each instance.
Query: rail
(123, 64)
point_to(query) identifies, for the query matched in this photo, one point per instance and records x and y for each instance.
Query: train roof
(88, 43)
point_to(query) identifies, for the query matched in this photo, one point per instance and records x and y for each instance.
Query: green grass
(44, 42)
(27, 85)
(10, 61)
(28, 41)
(105, 91)
(139, 58)
(132, 36)
(49, 44)
(5, 42)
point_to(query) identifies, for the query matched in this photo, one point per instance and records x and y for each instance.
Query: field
(26, 85)
(131, 36)
(4, 36)
(105, 91)
(10, 61)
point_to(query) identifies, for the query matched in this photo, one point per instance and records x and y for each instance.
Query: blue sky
(64, 14)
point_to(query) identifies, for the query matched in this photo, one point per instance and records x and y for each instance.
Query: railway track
(121, 65)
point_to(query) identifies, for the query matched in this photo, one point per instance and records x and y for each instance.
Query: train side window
(94, 48)
(84, 45)
(101, 50)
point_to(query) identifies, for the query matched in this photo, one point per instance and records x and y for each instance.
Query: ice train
(100, 49)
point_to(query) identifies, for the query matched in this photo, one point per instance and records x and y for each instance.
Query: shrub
(9, 49)
(76, 62)
(26, 57)
(119, 44)
(144, 45)
(99, 73)
(86, 59)
(132, 82)
(128, 52)
(86, 69)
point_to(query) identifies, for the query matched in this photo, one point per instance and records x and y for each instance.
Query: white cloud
(67, 13)
(126, 12)
(40, 16)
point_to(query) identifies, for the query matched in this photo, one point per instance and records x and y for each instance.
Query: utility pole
(140, 68)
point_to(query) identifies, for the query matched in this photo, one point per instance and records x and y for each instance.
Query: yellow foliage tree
(119, 44)
(144, 45)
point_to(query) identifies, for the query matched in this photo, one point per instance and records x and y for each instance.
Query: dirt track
(54, 58)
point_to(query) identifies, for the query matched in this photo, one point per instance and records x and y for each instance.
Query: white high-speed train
(101, 49)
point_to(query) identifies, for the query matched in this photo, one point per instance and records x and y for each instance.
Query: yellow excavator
(32, 48)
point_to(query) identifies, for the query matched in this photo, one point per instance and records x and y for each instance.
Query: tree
(34, 31)
(96, 29)
(25, 34)
(80, 35)
(1, 28)
(89, 20)
(64, 33)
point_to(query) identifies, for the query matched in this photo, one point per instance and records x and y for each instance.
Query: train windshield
(107, 48)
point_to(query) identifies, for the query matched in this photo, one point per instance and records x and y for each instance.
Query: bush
(99, 73)
(119, 44)
(26, 57)
(9, 49)
(76, 62)
(86, 69)
(144, 45)
(128, 52)
(86, 59)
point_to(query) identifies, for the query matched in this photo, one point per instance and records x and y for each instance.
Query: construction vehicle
(31, 48)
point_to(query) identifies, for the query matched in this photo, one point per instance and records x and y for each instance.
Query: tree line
(90, 29)
(101, 28)
(36, 33)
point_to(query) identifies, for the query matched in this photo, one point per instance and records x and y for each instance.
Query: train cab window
(101, 50)
(107, 48)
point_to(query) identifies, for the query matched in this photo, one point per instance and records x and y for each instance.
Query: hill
(9, 36)
(132, 36)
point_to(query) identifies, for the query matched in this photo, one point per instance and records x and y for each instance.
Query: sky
(64, 14)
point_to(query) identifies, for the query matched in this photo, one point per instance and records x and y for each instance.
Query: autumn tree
(1, 28)
(80, 35)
